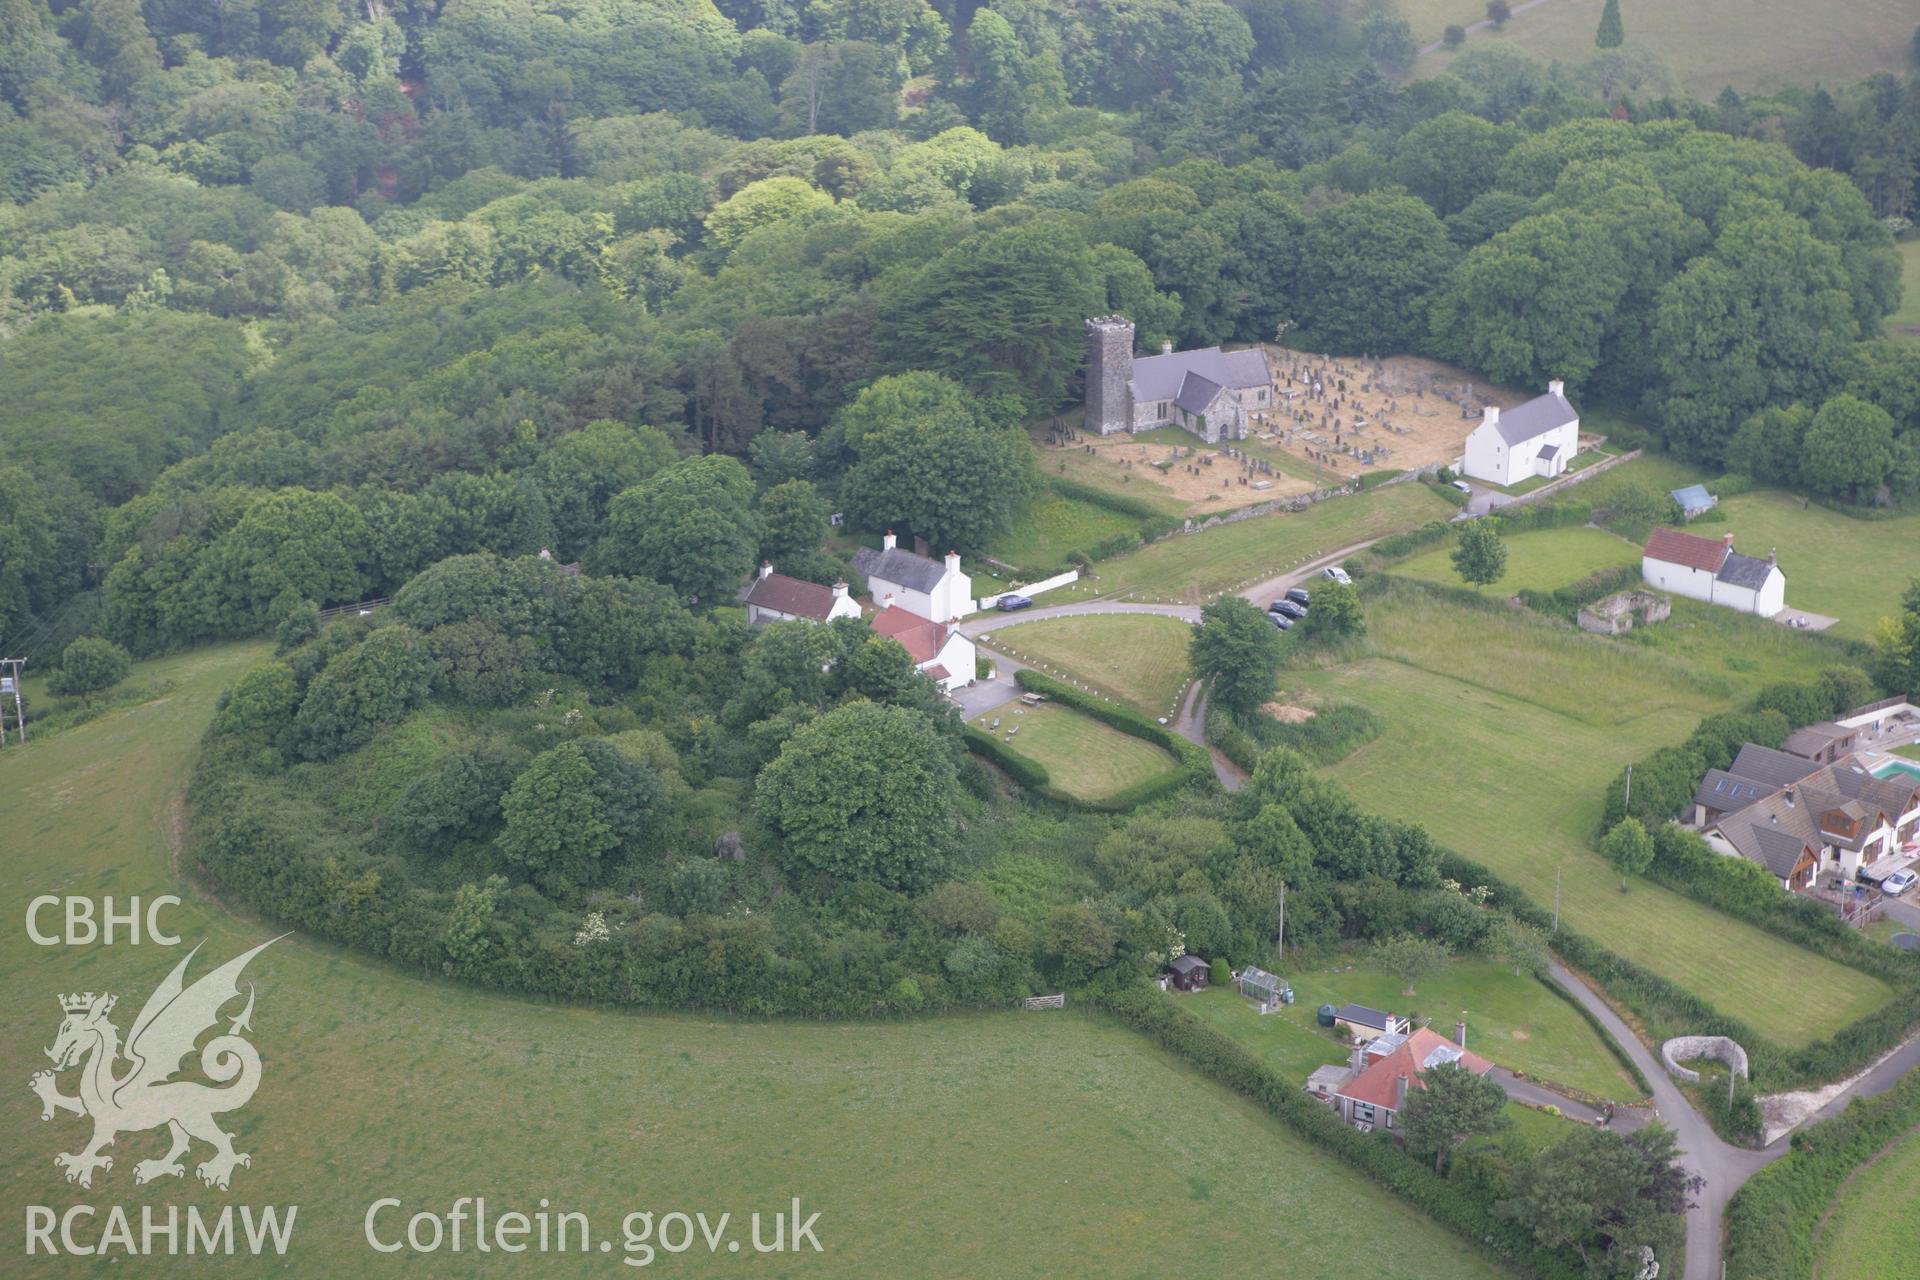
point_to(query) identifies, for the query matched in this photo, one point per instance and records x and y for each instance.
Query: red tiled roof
(1684, 548)
(938, 671)
(791, 596)
(920, 637)
(1377, 1084)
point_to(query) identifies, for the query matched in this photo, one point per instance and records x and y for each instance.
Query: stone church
(1210, 392)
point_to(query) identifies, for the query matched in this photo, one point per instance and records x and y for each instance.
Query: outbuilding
(1190, 973)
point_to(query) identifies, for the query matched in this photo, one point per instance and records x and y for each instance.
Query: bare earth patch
(1287, 713)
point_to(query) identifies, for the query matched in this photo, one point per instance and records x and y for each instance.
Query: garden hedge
(1771, 1220)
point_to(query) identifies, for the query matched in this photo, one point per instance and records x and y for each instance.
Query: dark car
(1281, 621)
(1299, 596)
(1010, 602)
(1289, 608)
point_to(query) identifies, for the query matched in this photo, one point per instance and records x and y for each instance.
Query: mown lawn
(1871, 1234)
(1853, 570)
(1501, 735)
(1512, 1020)
(1544, 560)
(1137, 658)
(1084, 757)
(1706, 44)
(1193, 568)
(910, 1138)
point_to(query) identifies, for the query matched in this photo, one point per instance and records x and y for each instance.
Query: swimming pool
(1891, 767)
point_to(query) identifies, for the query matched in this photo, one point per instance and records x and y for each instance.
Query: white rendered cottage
(931, 588)
(1537, 438)
(774, 597)
(1710, 569)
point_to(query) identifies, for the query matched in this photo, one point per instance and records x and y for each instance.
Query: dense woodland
(409, 280)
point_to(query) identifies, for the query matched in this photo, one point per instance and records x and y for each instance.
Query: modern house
(1838, 819)
(1821, 743)
(935, 589)
(1363, 1023)
(1380, 1074)
(1189, 972)
(774, 597)
(1537, 438)
(1756, 773)
(1209, 392)
(1711, 570)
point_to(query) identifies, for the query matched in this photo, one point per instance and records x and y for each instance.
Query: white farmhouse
(939, 652)
(1537, 438)
(931, 588)
(1711, 570)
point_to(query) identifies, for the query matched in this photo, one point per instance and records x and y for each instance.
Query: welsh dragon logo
(144, 1096)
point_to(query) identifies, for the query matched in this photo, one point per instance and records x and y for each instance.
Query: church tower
(1109, 370)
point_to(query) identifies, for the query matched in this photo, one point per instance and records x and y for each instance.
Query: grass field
(1085, 758)
(1906, 321)
(1511, 1020)
(1544, 560)
(1137, 658)
(1870, 1235)
(1707, 44)
(1052, 528)
(912, 1139)
(1501, 735)
(1192, 568)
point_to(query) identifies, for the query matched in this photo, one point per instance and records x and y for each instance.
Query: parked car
(1299, 596)
(1463, 486)
(1289, 608)
(1898, 883)
(1010, 602)
(1281, 621)
(1336, 573)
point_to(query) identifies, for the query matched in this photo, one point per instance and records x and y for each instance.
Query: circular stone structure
(1719, 1048)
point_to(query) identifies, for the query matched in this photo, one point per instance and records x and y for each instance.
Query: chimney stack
(953, 561)
(1166, 346)
(887, 543)
(1490, 416)
(1727, 538)
(920, 547)
(1400, 1093)
(1358, 1058)
(1773, 556)
(840, 589)
(766, 569)
(1557, 388)
(1460, 1034)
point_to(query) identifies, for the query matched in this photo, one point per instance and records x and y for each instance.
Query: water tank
(1326, 1015)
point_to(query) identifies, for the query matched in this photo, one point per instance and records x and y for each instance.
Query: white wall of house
(1682, 580)
(958, 656)
(950, 598)
(1490, 458)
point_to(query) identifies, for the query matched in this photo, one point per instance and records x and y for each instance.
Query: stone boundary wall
(1719, 1048)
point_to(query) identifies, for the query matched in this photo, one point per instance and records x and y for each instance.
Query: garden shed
(1189, 973)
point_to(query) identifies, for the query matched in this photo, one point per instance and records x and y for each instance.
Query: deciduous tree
(1236, 651)
(1480, 557)
(1454, 1105)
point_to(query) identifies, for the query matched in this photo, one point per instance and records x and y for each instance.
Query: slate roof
(1722, 791)
(1675, 547)
(920, 637)
(1773, 830)
(902, 568)
(1534, 418)
(1549, 451)
(1774, 769)
(1424, 1049)
(1361, 1015)
(1745, 571)
(1163, 377)
(1187, 964)
(1811, 738)
(1196, 393)
(787, 595)
(1778, 848)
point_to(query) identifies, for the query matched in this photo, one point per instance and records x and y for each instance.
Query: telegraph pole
(1280, 935)
(1556, 894)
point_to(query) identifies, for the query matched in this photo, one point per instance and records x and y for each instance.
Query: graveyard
(1334, 421)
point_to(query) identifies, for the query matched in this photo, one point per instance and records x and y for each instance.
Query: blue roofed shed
(1693, 500)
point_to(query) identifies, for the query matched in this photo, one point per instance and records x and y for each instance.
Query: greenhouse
(1264, 989)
